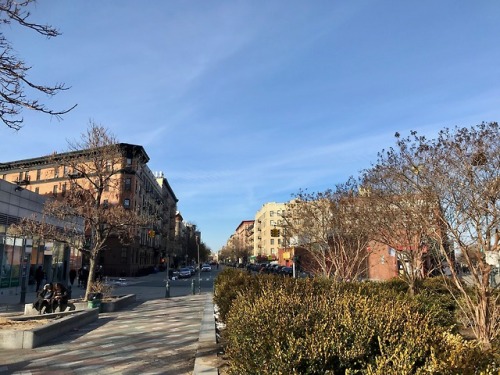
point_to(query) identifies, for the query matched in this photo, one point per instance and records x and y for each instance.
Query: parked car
(185, 273)
(193, 270)
(206, 268)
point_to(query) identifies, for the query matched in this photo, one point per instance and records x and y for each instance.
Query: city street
(154, 285)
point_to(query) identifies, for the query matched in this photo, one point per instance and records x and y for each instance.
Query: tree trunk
(90, 280)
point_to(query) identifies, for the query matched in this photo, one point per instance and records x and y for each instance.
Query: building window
(37, 190)
(126, 203)
(129, 161)
(128, 184)
(63, 192)
(271, 213)
(38, 174)
(54, 190)
(272, 241)
(56, 172)
(65, 170)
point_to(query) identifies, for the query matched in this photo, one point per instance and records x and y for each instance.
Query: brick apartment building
(137, 188)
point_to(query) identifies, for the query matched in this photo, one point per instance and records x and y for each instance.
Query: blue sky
(241, 103)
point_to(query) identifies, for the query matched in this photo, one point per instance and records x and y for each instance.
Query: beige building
(267, 218)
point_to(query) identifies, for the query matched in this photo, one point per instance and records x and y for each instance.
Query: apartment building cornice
(160, 177)
(135, 150)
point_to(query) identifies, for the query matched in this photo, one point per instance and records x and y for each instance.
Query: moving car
(184, 273)
(206, 268)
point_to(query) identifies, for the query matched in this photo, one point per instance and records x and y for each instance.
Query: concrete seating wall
(106, 306)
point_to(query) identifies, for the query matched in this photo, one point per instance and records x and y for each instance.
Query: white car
(206, 268)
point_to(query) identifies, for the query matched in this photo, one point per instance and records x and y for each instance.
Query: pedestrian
(85, 276)
(38, 277)
(43, 299)
(72, 276)
(98, 273)
(60, 297)
(79, 272)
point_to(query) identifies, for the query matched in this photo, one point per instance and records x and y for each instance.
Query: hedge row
(277, 325)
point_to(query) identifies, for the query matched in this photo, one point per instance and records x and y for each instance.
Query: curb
(206, 353)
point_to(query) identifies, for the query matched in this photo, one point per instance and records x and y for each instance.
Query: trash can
(94, 301)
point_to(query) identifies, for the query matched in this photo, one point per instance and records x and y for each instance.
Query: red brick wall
(382, 265)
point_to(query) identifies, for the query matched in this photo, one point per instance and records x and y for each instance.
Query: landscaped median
(281, 325)
(57, 324)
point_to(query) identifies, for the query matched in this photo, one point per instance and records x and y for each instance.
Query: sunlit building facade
(137, 188)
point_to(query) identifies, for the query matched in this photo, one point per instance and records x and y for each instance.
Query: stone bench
(117, 303)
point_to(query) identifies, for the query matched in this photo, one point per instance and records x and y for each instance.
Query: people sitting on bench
(43, 301)
(60, 297)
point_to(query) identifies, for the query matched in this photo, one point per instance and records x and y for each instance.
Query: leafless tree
(328, 227)
(459, 175)
(235, 250)
(94, 167)
(394, 207)
(15, 86)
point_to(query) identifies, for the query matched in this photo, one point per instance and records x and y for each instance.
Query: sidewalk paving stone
(153, 336)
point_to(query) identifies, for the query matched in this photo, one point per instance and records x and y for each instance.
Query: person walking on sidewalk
(72, 276)
(38, 278)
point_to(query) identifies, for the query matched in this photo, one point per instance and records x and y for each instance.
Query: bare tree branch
(14, 72)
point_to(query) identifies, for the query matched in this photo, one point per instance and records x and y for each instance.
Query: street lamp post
(199, 270)
(167, 285)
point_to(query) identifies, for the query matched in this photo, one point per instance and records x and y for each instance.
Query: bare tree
(328, 226)
(459, 175)
(15, 84)
(94, 166)
(236, 250)
(393, 206)
(225, 253)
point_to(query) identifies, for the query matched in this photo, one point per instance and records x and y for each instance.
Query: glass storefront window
(11, 262)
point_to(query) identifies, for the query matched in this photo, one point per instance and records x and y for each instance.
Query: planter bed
(59, 323)
(117, 303)
(106, 305)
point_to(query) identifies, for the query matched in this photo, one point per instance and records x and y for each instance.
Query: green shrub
(227, 285)
(287, 326)
(397, 284)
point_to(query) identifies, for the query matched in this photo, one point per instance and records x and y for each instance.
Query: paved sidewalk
(156, 335)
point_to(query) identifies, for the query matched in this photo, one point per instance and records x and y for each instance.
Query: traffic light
(275, 232)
